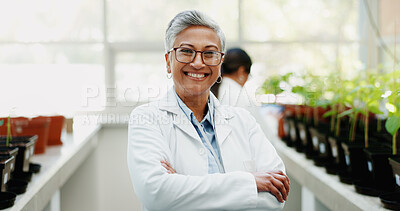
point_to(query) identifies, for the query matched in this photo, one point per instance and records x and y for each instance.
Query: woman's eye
(210, 53)
(187, 51)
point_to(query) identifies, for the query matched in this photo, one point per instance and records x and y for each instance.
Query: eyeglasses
(187, 55)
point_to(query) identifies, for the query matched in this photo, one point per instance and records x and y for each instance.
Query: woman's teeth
(196, 75)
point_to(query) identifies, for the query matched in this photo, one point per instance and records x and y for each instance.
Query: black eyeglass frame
(201, 52)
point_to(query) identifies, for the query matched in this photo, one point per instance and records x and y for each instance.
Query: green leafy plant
(392, 124)
(9, 137)
(312, 91)
(335, 99)
(273, 85)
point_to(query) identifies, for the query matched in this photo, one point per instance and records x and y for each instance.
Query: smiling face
(196, 78)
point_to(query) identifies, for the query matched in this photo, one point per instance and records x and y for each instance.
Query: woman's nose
(197, 62)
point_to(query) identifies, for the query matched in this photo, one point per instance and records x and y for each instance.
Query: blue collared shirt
(207, 125)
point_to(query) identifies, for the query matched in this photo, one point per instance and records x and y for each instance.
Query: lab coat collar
(222, 129)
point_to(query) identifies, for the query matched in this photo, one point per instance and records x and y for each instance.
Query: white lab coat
(232, 93)
(161, 131)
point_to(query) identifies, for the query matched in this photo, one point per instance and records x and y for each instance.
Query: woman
(221, 162)
(235, 72)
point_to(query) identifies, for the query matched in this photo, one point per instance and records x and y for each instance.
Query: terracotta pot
(55, 129)
(39, 126)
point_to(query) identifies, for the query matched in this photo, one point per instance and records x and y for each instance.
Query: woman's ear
(241, 70)
(168, 63)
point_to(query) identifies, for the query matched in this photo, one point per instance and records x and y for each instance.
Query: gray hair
(189, 18)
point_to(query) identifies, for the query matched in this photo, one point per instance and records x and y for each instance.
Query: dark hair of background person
(234, 58)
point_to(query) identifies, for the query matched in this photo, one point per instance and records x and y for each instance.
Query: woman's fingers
(283, 191)
(283, 182)
(168, 167)
(274, 182)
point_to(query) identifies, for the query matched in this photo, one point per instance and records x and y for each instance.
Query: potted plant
(26, 147)
(328, 151)
(312, 92)
(7, 199)
(274, 85)
(377, 157)
(392, 125)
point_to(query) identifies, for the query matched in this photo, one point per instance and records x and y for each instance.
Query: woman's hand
(167, 166)
(275, 182)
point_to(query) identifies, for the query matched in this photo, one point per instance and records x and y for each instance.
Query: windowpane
(143, 21)
(42, 79)
(51, 54)
(299, 20)
(140, 77)
(51, 20)
(319, 59)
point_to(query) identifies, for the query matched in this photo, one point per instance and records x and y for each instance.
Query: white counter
(61, 162)
(58, 164)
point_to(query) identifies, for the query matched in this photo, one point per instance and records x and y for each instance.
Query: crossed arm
(275, 182)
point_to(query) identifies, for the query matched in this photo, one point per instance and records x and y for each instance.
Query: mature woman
(188, 152)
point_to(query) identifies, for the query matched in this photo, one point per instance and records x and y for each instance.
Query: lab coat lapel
(180, 120)
(222, 127)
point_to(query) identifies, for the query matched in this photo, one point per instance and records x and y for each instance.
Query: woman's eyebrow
(192, 46)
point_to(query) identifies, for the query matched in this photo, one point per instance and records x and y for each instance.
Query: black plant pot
(338, 165)
(6, 163)
(16, 186)
(392, 200)
(286, 130)
(26, 147)
(10, 151)
(395, 163)
(378, 165)
(305, 140)
(356, 161)
(34, 167)
(322, 146)
(7, 199)
(294, 135)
